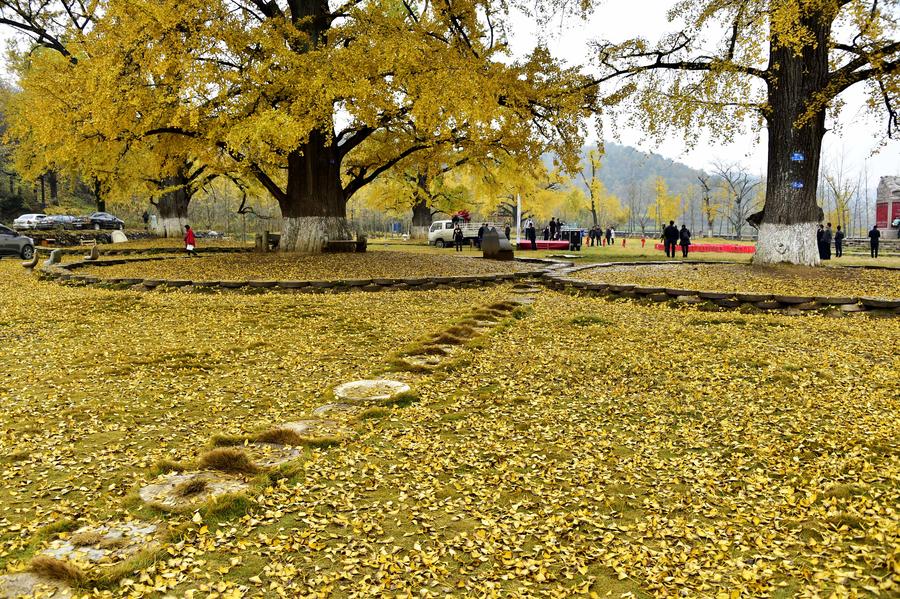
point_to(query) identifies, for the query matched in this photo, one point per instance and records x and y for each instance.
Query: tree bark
(53, 182)
(173, 208)
(788, 221)
(314, 207)
(421, 220)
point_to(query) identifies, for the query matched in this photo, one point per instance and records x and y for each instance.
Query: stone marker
(26, 584)
(55, 257)
(95, 253)
(495, 247)
(118, 237)
(189, 489)
(374, 390)
(105, 543)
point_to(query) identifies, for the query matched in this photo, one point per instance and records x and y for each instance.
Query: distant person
(190, 242)
(643, 241)
(670, 239)
(507, 231)
(827, 236)
(684, 238)
(146, 218)
(481, 230)
(612, 235)
(592, 235)
(458, 238)
(547, 233)
(609, 236)
(820, 233)
(553, 227)
(874, 240)
(838, 243)
(531, 235)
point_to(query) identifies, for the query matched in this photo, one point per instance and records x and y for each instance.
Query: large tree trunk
(173, 208)
(53, 182)
(421, 220)
(788, 222)
(314, 209)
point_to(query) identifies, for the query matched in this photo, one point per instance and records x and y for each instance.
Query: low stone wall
(563, 279)
(66, 273)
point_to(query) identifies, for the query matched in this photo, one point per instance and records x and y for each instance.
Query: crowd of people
(825, 237)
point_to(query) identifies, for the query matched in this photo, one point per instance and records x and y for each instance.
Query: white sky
(617, 20)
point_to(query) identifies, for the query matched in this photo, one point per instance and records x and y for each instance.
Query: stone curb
(63, 272)
(560, 279)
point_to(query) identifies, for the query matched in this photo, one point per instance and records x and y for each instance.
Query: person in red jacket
(190, 242)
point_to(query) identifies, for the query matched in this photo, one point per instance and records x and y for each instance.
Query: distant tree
(666, 207)
(738, 187)
(782, 63)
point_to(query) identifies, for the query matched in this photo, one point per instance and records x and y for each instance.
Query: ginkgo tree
(780, 64)
(295, 92)
(606, 208)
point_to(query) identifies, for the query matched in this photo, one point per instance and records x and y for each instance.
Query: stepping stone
(263, 284)
(374, 390)
(620, 288)
(727, 303)
(423, 361)
(679, 292)
(104, 544)
(315, 428)
(337, 410)
(808, 306)
(26, 584)
(270, 455)
(233, 284)
(182, 490)
(659, 297)
(525, 290)
(525, 300)
(689, 299)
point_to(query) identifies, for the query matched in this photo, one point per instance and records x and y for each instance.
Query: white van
(440, 234)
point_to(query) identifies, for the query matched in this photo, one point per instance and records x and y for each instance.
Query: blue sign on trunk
(797, 157)
(797, 185)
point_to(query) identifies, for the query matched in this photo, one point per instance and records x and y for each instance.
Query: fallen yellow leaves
(590, 448)
(284, 267)
(781, 280)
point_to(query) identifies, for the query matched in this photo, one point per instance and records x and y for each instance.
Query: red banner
(725, 248)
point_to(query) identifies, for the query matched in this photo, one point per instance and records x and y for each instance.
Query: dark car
(104, 220)
(67, 222)
(13, 244)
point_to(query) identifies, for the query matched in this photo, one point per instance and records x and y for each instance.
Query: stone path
(115, 542)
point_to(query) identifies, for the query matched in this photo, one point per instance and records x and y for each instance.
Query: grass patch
(228, 440)
(372, 413)
(227, 459)
(191, 488)
(55, 569)
(166, 466)
(589, 320)
(401, 400)
(226, 507)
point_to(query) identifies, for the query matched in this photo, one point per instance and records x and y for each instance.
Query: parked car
(440, 234)
(13, 244)
(31, 221)
(65, 221)
(104, 220)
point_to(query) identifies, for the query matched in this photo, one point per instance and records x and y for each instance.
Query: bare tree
(739, 185)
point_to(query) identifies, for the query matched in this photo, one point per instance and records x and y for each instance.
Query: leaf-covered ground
(785, 280)
(370, 265)
(590, 446)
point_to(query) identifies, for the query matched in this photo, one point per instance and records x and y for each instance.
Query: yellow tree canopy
(666, 207)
